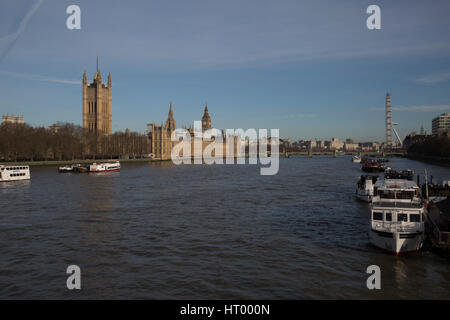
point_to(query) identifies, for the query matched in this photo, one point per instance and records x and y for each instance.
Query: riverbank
(70, 162)
(143, 160)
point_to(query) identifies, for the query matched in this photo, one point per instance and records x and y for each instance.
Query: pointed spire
(170, 110)
(109, 79)
(206, 119)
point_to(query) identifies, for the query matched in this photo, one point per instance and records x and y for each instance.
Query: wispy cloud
(35, 77)
(429, 108)
(434, 77)
(8, 41)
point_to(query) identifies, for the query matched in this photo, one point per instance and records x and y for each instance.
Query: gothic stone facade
(97, 105)
(160, 136)
(160, 141)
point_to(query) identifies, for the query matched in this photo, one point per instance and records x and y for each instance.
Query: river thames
(160, 231)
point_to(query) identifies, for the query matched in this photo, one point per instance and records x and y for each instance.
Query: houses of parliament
(160, 135)
(97, 105)
(97, 117)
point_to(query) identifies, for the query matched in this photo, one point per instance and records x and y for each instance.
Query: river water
(160, 231)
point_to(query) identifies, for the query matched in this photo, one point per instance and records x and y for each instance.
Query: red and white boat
(105, 167)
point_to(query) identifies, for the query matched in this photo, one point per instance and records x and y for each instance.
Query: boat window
(388, 194)
(402, 217)
(378, 216)
(414, 217)
(388, 216)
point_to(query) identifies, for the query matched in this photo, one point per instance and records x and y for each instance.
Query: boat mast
(426, 184)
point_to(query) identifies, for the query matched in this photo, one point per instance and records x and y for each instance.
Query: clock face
(204, 123)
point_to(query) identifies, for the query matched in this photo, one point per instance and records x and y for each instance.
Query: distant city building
(440, 124)
(351, 146)
(369, 146)
(311, 144)
(97, 105)
(12, 119)
(336, 144)
(321, 144)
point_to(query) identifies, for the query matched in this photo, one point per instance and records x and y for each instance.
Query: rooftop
(395, 184)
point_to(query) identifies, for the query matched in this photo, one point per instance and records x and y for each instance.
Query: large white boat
(105, 167)
(397, 217)
(14, 173)
(364, 190)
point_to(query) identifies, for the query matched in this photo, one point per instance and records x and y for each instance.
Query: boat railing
(396, 226)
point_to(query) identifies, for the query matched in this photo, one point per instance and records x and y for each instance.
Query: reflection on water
(12, 186)
(196, 231)
(400, 269)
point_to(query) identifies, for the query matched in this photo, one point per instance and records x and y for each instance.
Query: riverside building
(440, 124)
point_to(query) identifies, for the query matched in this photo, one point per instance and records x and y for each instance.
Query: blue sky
(310, 68)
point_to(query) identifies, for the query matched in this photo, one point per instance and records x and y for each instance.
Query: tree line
(66, 141)
(434, 146)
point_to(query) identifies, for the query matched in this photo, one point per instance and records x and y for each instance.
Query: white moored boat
(356, 159)
(397, 217)
(364, 190)
(14, 173)
(105, 167)
(71, 168)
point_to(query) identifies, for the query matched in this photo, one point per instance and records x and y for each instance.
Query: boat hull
(397, 243)
(372, 169)
(80, 170)
(15, 179)
(364, 197)
(111, 170)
